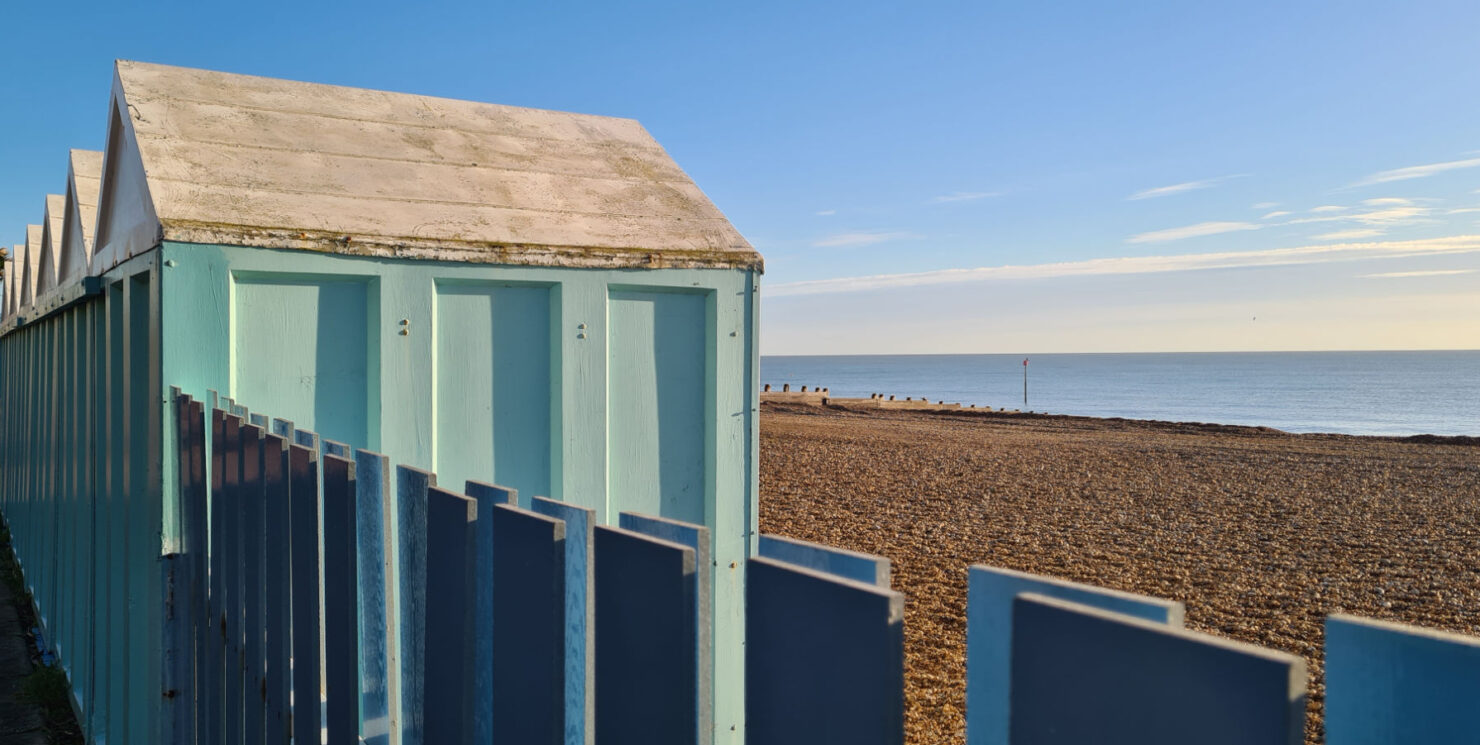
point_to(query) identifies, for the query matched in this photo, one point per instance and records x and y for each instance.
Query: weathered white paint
(80, 217)
(51, 244)
(213, 158)
(30, 266)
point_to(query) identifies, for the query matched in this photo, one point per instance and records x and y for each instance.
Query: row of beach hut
(58, 253)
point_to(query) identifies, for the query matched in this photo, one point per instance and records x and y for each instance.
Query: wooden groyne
(821, 397)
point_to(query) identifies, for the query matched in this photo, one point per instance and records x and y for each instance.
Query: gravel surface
(1260, 533)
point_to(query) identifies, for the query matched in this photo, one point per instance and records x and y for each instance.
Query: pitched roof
(84, 177)
(243, 160)
(30, 260)
(51, 244)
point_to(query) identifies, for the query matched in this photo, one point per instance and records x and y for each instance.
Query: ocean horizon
(1397, 393)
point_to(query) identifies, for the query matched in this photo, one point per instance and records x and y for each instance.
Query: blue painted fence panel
(406, 611)
(528, 628)
(231, 596)
(303, 548)
(372, 513)
(824, 658)
(451, 549)
(580, 711)
(1390, 683)
(253, 558)
(277, 588)
(989, 599)
(697, 538)
(859, 567)
(341, 602)
(1080, 674)
(486, 495)
(646, 641)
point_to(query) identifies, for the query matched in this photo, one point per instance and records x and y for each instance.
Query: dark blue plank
(303, 574)
(1391, 683)
(372, 510)
(646, 640)
(1081, 674)
(253, 558)
(233, 699)
(330, 447)
(341, 599)
(407, 609)
(859, 567)
(448, 618)
(277, 588)
(579, 622)
(486, 495)
(824, 658)
(213, 683)
(528, 627)
(284, 429)
(306, 438)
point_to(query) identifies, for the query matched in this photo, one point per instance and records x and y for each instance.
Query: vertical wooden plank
(697, 538)
(448, 619)
(277, 605)
(373, 506)
(824, 658)
(284, 429)
(528, 627)
(646, 641)
(330, 447)
(486, 496)
(406, 618)
(175, 635)
(580, 659)
(259, 421)
(341, 600)
(303, 519)
(1393, 683)
(214, 667)
(198, 549)
(232, 700)
(253, 558)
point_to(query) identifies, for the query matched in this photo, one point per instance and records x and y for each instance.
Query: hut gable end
(84, 178)
(128, 222)
(51, 244)
(30, 265)
(242, 160)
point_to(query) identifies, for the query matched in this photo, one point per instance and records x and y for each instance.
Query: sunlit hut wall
(538, 299)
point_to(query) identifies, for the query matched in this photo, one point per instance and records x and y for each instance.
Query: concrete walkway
(20, 721)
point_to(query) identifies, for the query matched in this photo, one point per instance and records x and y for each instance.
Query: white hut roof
(84, 177)
(241, 160)
(51, 244)
(30, 259)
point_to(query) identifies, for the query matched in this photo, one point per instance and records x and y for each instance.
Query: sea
(1359, 393)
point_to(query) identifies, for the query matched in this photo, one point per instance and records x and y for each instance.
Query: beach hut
(51, 244)
(7, 302)
(540, 299)
(84, 179)
(30, 261)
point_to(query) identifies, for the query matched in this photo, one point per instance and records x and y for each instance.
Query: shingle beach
(1260, 533)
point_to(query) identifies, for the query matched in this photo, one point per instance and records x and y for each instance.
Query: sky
(933, 177)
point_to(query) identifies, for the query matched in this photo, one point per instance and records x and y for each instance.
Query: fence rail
(319, 594)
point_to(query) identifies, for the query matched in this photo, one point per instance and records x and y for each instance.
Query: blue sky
(935, 177)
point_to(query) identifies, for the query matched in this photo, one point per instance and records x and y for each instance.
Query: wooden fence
(320, 594)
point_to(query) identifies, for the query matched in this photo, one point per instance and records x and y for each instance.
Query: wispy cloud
(1387, 217)
(862, 238)
(1315, 254)
(1412, 172)
(1166, 191)
(1190, 231)
(1263, 205)
(1349, 235)
(1387, 202)
(966, 196)
(1462, 210)
(826, 213)
(1327, 208)
(1276, 213)
(1428, 273)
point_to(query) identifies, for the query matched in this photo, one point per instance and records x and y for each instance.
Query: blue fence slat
(859, 567)
(372, 510)
(259, 421)
(448, 618)
(580, 522)
(1391, 683)
(824, 658)
(990, 594)
(697, 538)
(180, 591)
(284, 429)
(306, 438)
(1081, 674)
(254, 593)
(486, 496)
(341, 598)
(197, 546)
(303, 572)
(213, 675)
(330, 447)
(528, 628)
(406, 613)
(646, 640)
(234, 656)
(277, 587)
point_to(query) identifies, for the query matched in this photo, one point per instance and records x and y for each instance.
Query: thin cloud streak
(1320, 254)
(861, 239)
(1276, 213)
(1348, 235)
(1191, 231)
(1412, 172)
(1166, 191)
(1427, 273)
(966, 196)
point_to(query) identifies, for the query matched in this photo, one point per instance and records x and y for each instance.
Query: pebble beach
(1258, 532)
